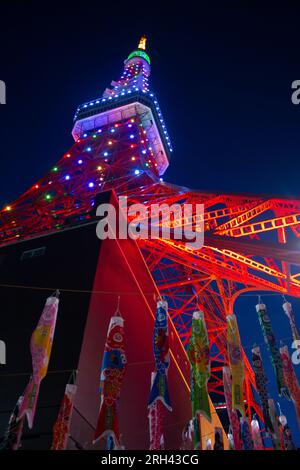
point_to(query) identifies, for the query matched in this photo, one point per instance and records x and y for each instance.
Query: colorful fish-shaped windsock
(156, 424)
(111, 379)
(230, 440)
(208, 444)
(159, 399)
(287, 307)
(275, 434)
(187, 437)
(197, 431)
(198, 352)
(159, 389)
(261, 386)
(291, 380)
(62, 424)
(40, 347)
(236, 364)
(256, 435)
(232, 414)
(285, 434)
(13, 434)
(245, 433)
(270, 340)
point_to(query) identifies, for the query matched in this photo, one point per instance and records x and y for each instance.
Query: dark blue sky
(222, 75)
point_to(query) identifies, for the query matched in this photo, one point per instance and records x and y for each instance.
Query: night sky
(223, 79)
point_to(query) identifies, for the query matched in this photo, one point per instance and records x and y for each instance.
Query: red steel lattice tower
(121, 143)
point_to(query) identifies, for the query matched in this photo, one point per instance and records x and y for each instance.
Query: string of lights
(122, 293)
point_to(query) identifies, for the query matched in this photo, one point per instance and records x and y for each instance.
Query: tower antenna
(142, 43)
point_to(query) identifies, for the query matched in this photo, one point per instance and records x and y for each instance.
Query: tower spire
(135, 73)
(130, 96)
(142, 43)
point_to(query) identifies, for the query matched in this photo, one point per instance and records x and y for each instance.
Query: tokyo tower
(122, 144)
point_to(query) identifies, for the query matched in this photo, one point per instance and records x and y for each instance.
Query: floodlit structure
(122, 144)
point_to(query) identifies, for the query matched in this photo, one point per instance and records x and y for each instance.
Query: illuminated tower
(129, 104)
(121, 143)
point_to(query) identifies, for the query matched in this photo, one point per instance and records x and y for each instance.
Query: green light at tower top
(138, 53)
